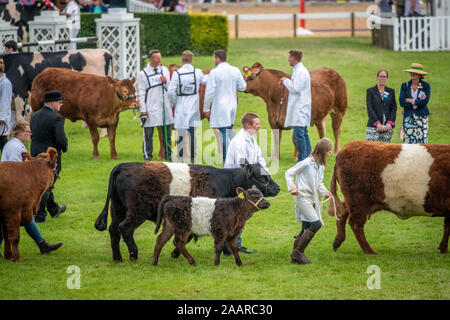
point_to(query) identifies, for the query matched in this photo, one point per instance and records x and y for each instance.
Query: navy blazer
(422, 105)
(47, 130)
(376, 107)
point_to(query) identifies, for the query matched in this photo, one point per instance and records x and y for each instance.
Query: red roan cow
(406, 179)
(135, 190)
(22, 185)
(98, 100)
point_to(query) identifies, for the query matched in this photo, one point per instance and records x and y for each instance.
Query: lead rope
(312, 203)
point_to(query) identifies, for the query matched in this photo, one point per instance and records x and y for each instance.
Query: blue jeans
(231, 134)
(33, 231)
(301, 138)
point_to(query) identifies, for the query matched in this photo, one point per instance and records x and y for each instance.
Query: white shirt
(12, 151)
(187, 111)
(243, 146)
(154, 105)
(73, 10)
(5, 104)
(220, 94)
(298, 112)
(309, 182)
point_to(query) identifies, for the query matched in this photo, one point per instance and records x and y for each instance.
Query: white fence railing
(420, 33)
(139, 6)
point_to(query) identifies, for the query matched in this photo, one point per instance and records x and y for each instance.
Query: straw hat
(416, 68)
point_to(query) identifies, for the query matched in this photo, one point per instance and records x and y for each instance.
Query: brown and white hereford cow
(328, 95)
(22, 185)
(97, 100)
(406, 179)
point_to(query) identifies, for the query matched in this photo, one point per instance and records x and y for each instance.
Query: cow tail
(102, 219)
(339, 207)
(160, 213)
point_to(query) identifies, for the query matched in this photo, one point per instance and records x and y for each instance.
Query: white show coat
(298, 112)
(187, 111)
(309, 182)
(12, 150)
(148, 78)
(6, 92)
(220, 94)
(243, 146)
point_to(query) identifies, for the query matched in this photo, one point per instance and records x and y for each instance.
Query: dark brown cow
(406, 179)
(222, 218)
(22, 185)
(328, 94)
(97, 100)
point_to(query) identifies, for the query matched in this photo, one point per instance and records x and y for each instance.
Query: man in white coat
(298, 113)
(154, 104)
(72, 12)
(220, 97)
(243, 147)
(183, 95)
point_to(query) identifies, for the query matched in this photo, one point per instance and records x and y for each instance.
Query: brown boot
(300, 244)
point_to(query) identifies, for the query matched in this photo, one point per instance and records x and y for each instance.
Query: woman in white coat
(306, 188)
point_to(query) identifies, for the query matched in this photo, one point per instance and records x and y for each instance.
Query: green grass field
(410, 264)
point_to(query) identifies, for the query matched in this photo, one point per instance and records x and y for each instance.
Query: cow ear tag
(241, 195)
(249, 73)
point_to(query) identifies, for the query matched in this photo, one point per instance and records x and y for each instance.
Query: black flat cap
(53, 95)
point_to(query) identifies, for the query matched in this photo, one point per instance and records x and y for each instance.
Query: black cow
(135, 190)
(22, 68)
(18, 15)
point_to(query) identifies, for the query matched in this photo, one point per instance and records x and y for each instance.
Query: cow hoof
(443, 250)
(370, 252)
(118, 260)
(133, 257)
(175, 254)
(335, 246)
(115, 158)
(95, 157)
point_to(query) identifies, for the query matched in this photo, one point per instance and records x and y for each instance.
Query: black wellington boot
(46, 247)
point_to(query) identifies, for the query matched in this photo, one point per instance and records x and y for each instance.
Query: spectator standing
(47, 128)
(10, 47)
(183, 95)
(243, 148)
(412, 8)
(220, 97)
(98, 7)
(20, 134)
(5, 105)
(298, 113)
(414, 98)
(155, 107)
(381, 109)
(72, 12)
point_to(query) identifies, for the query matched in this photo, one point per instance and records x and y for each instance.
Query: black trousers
(180, 143)
(47, 202)
(148, 142)
(3, 141)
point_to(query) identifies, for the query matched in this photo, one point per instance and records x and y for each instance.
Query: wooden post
(352, 23)
(295, 25)
(236, 26)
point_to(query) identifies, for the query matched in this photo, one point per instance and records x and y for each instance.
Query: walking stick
(164, 124)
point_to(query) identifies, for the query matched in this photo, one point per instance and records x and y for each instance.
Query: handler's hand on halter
(294, 191)
(281, 80)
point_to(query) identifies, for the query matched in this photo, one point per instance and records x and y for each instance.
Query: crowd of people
(173, 101)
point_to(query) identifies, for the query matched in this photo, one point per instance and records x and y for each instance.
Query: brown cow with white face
(406, 179)
(97, 100)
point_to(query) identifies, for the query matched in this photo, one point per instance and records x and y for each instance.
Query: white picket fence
(420, 33)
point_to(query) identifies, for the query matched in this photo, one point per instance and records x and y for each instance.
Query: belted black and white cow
(22, 68)
(19, 15)
(222, 218)
(135, 190)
